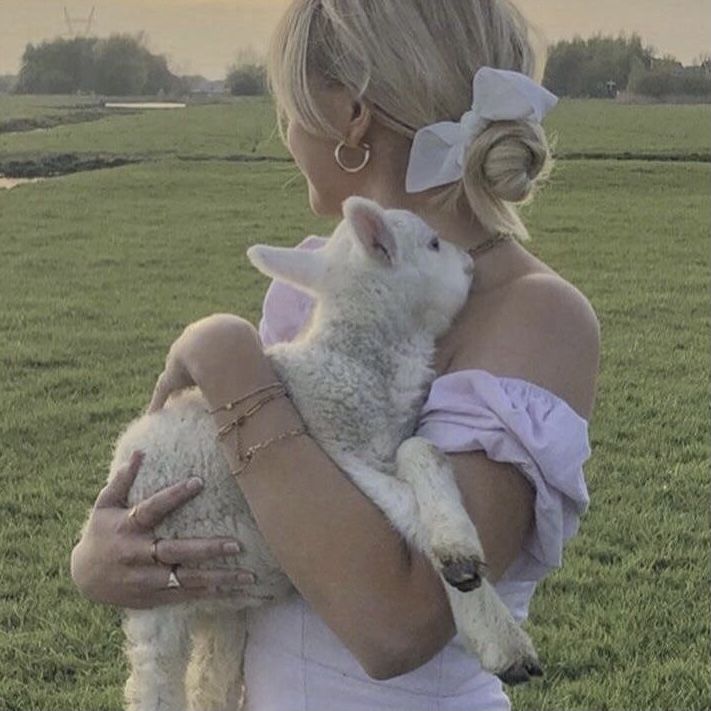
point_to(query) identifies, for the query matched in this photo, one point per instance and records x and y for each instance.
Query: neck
(384, 183)
(460, 228)
(463, 230)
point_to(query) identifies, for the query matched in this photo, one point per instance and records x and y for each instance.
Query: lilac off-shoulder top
(293, 660)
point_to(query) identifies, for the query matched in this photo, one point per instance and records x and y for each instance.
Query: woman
(355, 80)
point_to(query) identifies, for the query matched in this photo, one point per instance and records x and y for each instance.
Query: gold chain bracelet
(226, 429)
(231, 405)
(243, 457)
(246, 460)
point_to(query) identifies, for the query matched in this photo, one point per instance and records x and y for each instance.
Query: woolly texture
(386, 288)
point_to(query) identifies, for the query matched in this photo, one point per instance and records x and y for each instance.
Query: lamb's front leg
(456, 550)
(485, 623)
(393, 496)
(491, 633)
(158, 649)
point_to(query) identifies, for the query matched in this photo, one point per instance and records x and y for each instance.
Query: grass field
(99, 273)
(594, 127)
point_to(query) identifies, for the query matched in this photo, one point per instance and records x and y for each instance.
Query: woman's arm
(384, 601)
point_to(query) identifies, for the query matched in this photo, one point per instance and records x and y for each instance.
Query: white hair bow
(437, 155)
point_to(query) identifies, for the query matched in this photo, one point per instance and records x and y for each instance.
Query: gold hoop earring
(343, 166)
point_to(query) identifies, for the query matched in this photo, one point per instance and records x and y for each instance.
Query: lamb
(385, 288)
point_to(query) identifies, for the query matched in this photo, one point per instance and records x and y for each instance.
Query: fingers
(161, 391)
(195, 584)
(190, 551)
(200, 580)
(151, 511)
(116, 491)
(245, 599)
(174, 377)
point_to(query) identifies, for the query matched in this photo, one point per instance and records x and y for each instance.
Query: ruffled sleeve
(286, 309)
(515, 421)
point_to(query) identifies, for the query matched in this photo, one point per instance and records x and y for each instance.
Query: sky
(205, 36)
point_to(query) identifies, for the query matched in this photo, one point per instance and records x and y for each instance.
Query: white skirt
(294, 662)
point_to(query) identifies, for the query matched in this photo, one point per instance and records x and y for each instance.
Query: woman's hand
(114, 561)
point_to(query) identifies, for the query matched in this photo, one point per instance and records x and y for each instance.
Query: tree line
(601, 66)
(120, 65)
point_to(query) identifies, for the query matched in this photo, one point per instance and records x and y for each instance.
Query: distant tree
(668, 77)
(159, 77)
(7, 83)
(703, 62)
(61, 66)
(247, 80)
(121, 67)
(581, 67)
(667, 80)
(117, 65)
(667, 63)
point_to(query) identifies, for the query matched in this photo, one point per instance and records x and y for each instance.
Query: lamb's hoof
(520, 673)
(463, 574)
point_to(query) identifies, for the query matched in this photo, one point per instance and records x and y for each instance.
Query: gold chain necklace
(490, 243)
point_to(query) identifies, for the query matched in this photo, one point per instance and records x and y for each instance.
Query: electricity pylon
(79, 26)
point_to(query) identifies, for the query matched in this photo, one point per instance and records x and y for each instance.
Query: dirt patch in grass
(239, 158)
(50, 165)
(23, 125)
(675, 158)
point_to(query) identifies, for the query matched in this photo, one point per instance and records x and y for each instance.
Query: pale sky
(203, 36)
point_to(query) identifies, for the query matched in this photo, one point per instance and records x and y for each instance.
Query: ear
(359, 122)
(370, 228)
(303, 268)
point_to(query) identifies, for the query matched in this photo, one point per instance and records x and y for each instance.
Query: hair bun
(509, 159)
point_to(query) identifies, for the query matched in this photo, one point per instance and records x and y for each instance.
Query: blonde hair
(412, 62)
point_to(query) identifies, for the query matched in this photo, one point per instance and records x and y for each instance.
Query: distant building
(197, 84)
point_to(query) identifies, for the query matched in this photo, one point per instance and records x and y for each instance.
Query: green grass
(13, 106)
(597, 126)
(99, 273)
(248, 126)
(239, 126)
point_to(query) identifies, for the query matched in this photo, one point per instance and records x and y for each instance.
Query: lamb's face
(435, 274)
(427, 277)
(394, 252)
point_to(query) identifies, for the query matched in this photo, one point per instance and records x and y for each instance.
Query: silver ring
(173, 582)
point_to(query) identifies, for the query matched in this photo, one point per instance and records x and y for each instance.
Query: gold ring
(154, 551)
(133, 516)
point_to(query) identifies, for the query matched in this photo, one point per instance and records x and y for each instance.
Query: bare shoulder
(539, 328)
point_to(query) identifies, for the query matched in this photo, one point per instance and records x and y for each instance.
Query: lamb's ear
(301, 267)
(370, 227)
